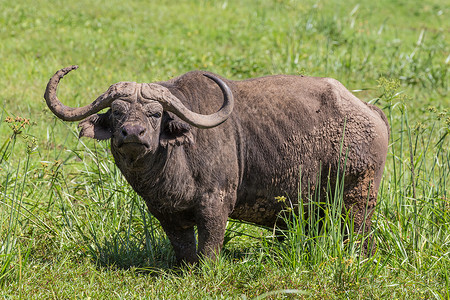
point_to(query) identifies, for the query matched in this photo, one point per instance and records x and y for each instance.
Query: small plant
(17, 126)
(13, 189)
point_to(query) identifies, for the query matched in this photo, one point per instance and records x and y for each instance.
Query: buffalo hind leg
(360, 197)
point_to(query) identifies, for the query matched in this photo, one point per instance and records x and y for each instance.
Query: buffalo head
(140, 116)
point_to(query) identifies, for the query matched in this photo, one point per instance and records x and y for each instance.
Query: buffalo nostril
(131, 131)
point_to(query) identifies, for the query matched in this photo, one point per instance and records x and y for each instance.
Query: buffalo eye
(119, 108)
(155, 115)
(117, 113)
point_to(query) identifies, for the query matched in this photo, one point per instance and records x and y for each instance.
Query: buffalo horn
(67, 113)
(173, 104)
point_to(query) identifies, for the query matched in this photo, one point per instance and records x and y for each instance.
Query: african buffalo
(199, 169)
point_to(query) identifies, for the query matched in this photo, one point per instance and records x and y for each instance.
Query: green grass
(71, 227)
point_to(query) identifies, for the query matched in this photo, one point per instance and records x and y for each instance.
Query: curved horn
(67, 113)
(173, 104)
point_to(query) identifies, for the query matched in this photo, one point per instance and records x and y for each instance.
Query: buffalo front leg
(183, 243)
(211, 232)
(211, 219)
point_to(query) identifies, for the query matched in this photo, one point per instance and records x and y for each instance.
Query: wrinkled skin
(280, 125)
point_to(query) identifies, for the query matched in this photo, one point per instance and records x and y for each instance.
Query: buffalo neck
(163, 179)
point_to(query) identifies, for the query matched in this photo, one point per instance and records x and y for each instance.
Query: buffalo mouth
(133, 152)
(133, 144)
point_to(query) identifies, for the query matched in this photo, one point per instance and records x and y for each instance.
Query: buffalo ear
(97, 126)
(175, 132)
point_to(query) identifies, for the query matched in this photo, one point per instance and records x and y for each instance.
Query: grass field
(71, 227)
